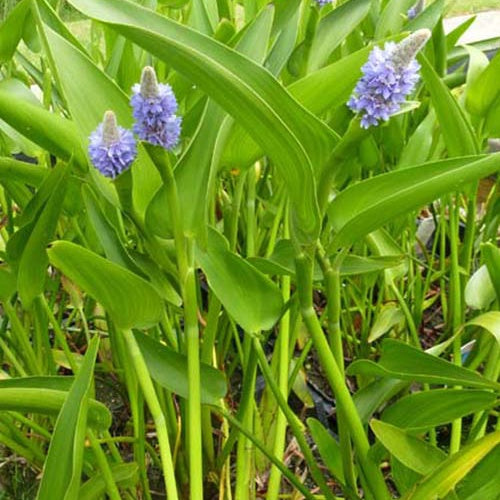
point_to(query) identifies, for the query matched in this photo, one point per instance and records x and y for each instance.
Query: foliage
(179, 305)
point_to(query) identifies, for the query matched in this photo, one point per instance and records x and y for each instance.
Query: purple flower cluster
(389, 75)
(154, 107)
(320, 3)
(112, 149)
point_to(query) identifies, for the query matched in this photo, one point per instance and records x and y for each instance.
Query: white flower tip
(110, 132)
(149, 83)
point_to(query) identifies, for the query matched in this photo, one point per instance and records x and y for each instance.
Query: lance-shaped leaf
(130, 300)
(369, 204)
(250, 297)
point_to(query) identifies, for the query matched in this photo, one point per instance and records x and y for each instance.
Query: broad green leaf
(484, 89)
(413, 452)
(328, 447)
(106, 233)
(392, 18)
(27, 173)
(492, 259)
(333, 29)
(483, 481)
(416, 151)
(34, 261)
(294, 139)
(281, 262)
(489, 321)
(63, 465)
(388, 317)
(479, 291)
(451, 471)
(404, 362)
(369, 398)
(251, 298)
(50, 131)
(428, 18)
(124, 475)
(11, 30)
(130, 300)
(28, 399)
(8, 283)
(455, 128)
(427, 409)
(369, 204)
(169, 368)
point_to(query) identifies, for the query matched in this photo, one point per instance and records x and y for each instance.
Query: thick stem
(373, 475)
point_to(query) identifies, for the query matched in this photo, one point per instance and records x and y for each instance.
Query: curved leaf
(367, 205)
(129, 299)
(251, 298)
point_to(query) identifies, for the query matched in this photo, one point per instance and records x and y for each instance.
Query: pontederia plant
(389, 76)
(259, 302)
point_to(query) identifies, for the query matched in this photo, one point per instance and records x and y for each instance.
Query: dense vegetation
(249, 249)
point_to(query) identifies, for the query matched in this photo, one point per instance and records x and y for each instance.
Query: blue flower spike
(112, 149)
(389, 76)
(321, 3)
(154, 110)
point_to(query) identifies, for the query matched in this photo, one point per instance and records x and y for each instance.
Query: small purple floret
(389, 75)
(113, 157)
(155, 118)
(320, 3)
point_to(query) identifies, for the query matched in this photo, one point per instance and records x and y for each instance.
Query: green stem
(294, 422)
(283, 367)
(373, 475)
(154, 407)
(455, 310)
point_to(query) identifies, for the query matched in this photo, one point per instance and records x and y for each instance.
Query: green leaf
(294, 139)
(479, 290)
(130, 300)
(455, 128)
(369, 204)
(34, 261)
(444, 478)
(328, 448)
(124, 475)
(388, 317)
(25, 397)
(428, 18)
(169, 368)
(63, 465)
(11, 30)
(483, 481)
(427, 409)
(484, 89)
(27, 173)
(492, 259)
(50, 131)
(369, 398)
(404, 362)
(106, 233)
(8, 283)
(392, 18)
(489, 321)
(411, 451)
(334, 28)
(251, 298)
